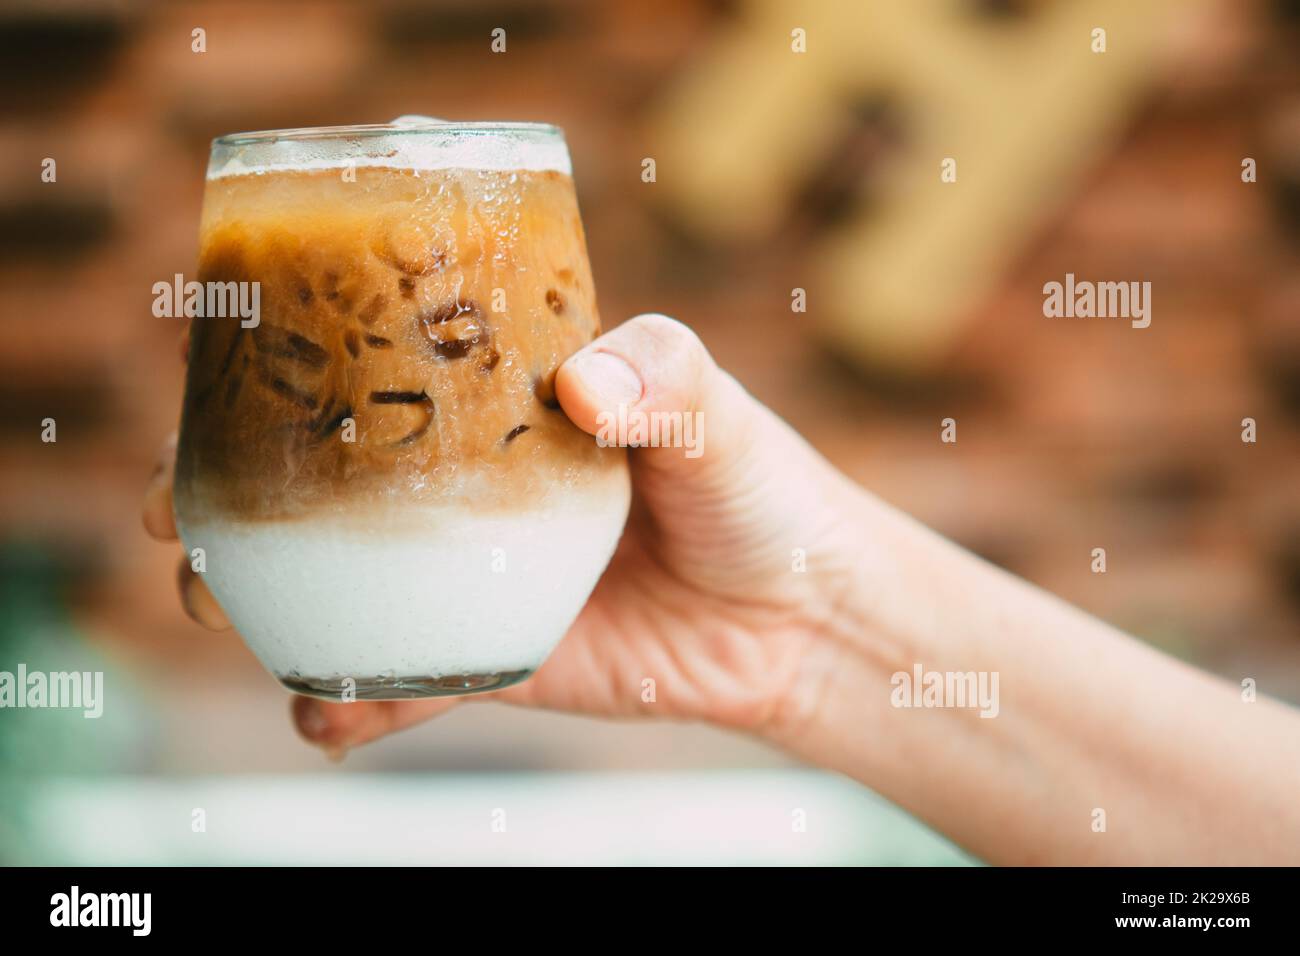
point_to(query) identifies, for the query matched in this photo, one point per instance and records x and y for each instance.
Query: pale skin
(705, 598)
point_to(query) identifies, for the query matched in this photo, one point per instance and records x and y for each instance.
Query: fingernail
(335, 754)
(609, 379)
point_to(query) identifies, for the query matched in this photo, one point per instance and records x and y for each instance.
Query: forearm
(1087, 720)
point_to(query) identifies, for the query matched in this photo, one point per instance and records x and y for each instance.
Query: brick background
(1073, 435)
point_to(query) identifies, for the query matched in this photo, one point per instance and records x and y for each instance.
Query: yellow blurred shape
(1022, 106)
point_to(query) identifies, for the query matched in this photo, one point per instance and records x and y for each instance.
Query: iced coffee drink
(389, 500)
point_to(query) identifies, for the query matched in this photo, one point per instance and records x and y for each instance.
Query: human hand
(702, 596)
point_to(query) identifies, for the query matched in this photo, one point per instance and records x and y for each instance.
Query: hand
(702, 596)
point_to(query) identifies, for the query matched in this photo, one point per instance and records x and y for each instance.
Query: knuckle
(676, 341)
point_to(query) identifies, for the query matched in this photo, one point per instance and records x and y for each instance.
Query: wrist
(857, 636)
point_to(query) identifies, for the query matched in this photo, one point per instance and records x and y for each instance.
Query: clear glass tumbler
(388, 500)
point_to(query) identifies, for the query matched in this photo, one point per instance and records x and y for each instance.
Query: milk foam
(453, 592)
(486, 146)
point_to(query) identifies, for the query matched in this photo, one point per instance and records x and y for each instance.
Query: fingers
(157, 514)
(339, 726)
(198, 600)
(160, 522)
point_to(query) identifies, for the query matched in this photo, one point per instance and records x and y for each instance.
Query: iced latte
(389, 500)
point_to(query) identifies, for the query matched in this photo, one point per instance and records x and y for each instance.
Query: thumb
(727, 511)
(651, 384)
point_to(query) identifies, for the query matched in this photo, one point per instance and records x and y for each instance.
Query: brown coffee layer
(422, 316)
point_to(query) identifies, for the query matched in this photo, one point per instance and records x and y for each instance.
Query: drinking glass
(373, 475)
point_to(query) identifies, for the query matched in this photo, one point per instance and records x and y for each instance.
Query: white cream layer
(448, 592)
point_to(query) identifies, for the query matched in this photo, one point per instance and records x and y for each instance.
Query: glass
(388, 500)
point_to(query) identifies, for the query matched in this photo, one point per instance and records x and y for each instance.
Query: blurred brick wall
(1072, 436)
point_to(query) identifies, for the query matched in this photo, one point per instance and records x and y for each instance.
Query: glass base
(399, 688)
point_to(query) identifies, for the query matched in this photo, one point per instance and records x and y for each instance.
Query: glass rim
(367, 130)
